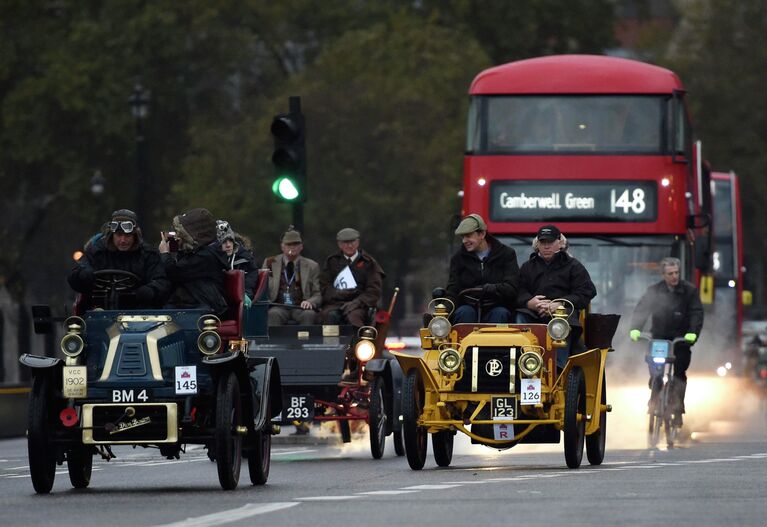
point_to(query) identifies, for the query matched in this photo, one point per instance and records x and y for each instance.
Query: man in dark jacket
(676, 310)
(486, 266)
(350, 282)
(120, 246)
(194, 269)
(550, 273)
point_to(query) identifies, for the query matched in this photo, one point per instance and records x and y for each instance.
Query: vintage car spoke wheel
(377, 419)
(80, 466)
(42, 454)
(228, 441)
(412, 406)
(595, 443)
(346, 430)
(260, 456)
(442, 444)
(399, 443)
(575, 406)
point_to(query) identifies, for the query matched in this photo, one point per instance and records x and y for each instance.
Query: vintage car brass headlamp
(365, 349)
(209, 341)
(72, 344)
(558, 328)
(439, 327)
(449, 360)
(530, 363)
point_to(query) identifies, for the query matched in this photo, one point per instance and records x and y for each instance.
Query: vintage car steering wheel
(111, 284)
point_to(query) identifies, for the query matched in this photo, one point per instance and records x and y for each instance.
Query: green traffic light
(285, 188)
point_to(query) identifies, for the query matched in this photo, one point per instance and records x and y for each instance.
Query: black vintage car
(152, 378)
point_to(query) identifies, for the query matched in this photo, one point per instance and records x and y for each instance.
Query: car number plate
(297, 408)
(503, 407)
(75, 382)
(530, 391)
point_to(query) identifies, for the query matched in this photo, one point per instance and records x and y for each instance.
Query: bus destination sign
(560, 200)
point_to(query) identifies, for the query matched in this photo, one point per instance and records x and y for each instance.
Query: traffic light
(289, 156)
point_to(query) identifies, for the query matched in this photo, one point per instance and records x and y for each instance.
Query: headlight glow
(558, 328)
(439, 327)
(209, 342)
(72, 344)
(365, 350)
(449, 360)
(530, 363)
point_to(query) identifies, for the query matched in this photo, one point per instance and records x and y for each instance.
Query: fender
(266, 389)
(392, 374)
(221, 358)
(38, 362)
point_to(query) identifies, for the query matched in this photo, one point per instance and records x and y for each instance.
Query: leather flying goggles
(125, 226)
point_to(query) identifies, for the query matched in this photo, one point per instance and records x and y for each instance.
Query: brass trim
(154, 352)
(144, 318)
(113, 332)
(330, 331)
(512, 368)
(474, 367)
(171, 431)
(302, 335)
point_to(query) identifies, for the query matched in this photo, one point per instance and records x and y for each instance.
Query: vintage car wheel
(228, 440)
(575, 428)
(377, 419)
(80, 466)
(399, 443)
(415, 436)
(260, 455)
(346, 430)
(42, 455)
(595, 443)
(442, 444)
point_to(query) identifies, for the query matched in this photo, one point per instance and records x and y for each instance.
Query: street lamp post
(139, 103)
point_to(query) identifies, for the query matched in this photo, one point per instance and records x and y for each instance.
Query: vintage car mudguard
(266, 389)
(38, 362)
(393, 378)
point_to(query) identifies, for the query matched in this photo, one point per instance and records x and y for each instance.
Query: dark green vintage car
(153, 378)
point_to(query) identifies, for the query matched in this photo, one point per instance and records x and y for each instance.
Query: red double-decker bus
(603, 148)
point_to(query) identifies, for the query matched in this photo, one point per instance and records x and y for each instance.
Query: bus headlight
(449, 360)
(72, 344)
(558, 328)
(530, 363)
(209, 342)
(365, 350)
(439, 327)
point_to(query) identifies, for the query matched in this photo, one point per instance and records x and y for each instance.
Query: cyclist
(674, 306)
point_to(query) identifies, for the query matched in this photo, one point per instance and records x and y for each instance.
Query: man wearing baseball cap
(483, 275)
(550, 273)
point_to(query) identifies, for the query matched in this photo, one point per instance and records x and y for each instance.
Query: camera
(172, 241)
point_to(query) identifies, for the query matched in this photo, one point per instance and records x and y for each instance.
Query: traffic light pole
(298, 216)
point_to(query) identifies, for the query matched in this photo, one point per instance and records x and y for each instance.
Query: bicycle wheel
(669, 406)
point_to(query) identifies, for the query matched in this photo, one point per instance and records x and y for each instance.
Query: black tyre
(42, 454)
(377, 419)
(595, 443)
(669, 428)
(442, 444)
(575, 417)
(399, 443)
(228, 440)
(80, 466)
(346, 430)
(415, 436)
(260, 454)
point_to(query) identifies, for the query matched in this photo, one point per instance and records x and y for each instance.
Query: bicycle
(663, 410)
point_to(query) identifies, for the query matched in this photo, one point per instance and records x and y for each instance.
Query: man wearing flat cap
(548, 274)
(294, 284)
(351, 282)
(120, 246)
(483, 269)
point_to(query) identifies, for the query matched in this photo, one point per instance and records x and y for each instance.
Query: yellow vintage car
(499, 385)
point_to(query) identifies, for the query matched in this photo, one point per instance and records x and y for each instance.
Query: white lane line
(429, 487)
(293, 452)
(465, 482)
(231, 515)
(387, 492)
(711, 460)
(328, 498)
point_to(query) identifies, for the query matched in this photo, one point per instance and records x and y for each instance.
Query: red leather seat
(231, 324)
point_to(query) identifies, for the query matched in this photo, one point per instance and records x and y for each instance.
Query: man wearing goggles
(121, 247)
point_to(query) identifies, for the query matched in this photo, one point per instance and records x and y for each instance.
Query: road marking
(429, 487)
(386, 492)
(231, 515)
(292, 452)
(328, 498)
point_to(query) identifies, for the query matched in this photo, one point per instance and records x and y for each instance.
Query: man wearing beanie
(122, 247)
(194, 269)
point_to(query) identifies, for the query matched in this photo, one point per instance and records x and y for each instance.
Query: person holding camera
(483, 275)
(120, 246)
(192, 264)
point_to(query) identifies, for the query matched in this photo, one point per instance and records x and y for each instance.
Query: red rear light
(395, 345)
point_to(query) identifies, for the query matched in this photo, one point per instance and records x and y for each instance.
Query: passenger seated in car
(120, 246)
(192, 263)
(235, 253)
(294, 283)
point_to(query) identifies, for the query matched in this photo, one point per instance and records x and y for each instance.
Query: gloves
(489, 290)
(634, 334)
(144, 295)
(690, 337)
(247, 301)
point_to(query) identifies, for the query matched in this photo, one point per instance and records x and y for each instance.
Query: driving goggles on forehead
(125, 226)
